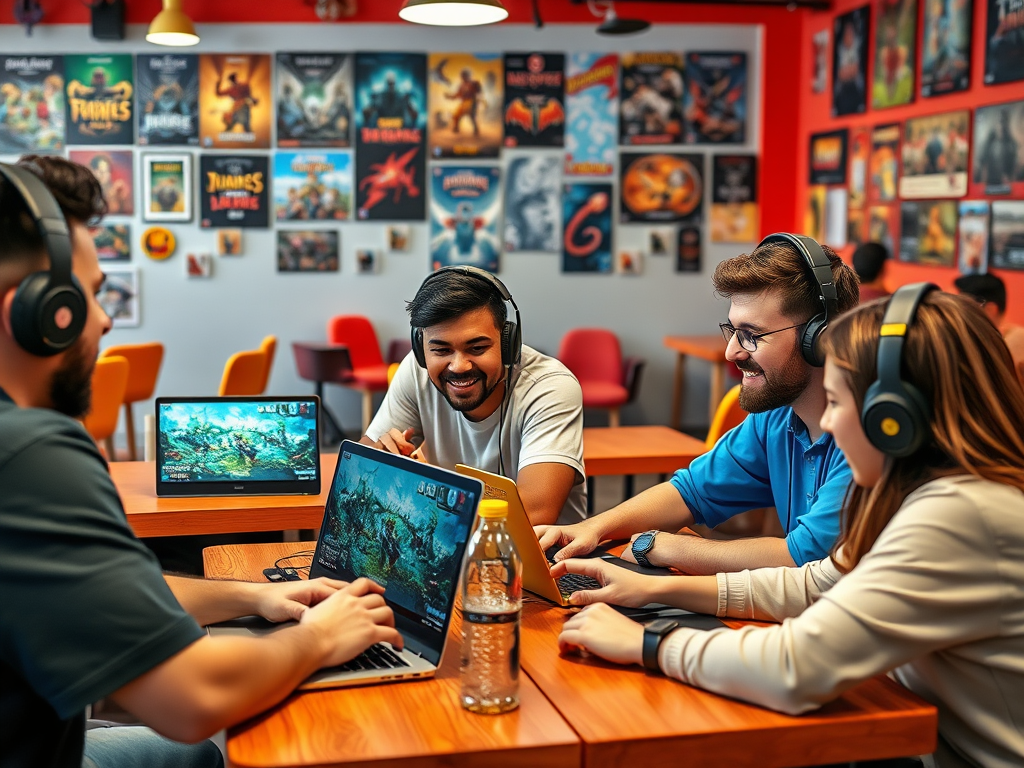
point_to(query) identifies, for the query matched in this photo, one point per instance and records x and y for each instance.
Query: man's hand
(618, 586)
(288, 600)
(351, 620)
(603, 631)
(397, 442)
(574, 540)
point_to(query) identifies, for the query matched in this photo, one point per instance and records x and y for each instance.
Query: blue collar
(801, 434)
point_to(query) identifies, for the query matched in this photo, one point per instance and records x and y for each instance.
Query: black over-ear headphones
(821, 269)
(49, 308)
(896, 414)
(511, 333)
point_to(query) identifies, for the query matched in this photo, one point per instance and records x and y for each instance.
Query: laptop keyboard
(574, 582)
(377, 656)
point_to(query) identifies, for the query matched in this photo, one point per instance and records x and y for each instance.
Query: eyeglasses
(748, 341)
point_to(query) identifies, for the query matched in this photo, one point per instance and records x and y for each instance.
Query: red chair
(595, 359)
(369, 371)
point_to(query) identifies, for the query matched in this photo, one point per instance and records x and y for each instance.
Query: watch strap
(654, 633)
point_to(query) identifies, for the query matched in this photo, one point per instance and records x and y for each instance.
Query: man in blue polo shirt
(782, 295)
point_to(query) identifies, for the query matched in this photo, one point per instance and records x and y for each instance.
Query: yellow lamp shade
(453, 13)
(172, 27)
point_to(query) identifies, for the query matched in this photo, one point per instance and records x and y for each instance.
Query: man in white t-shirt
(471, 393)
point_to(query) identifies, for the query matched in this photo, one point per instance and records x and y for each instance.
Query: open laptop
(404, 524)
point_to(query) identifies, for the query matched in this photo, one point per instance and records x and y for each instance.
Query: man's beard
(786, 384)
(466, 405)
(71, 385)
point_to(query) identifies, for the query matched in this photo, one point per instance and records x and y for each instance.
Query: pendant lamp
(453, 13)
(172, 27)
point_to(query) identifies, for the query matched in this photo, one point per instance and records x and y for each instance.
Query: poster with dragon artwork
(465, 96)
(465, 207)
(235, 105)
(587, 233)
(534, 99)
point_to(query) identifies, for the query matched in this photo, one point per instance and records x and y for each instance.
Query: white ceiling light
(453, 13)
(172, 27)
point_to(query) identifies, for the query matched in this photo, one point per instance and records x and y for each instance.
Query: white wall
(202, 322)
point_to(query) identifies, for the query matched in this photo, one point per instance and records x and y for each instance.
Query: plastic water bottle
(492, 599)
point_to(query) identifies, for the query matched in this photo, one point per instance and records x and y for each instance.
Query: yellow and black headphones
(896, 415)
(49, 308)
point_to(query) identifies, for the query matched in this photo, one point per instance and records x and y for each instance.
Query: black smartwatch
(654, 633)
(643, 544)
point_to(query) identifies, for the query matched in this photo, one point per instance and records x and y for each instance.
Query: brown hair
(958, 360)
(781, 267)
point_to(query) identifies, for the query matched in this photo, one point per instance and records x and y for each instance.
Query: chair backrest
(144, 362)
(592, 354)
(244, 373)
(109, 380)
(268, 347)
(392, 370)
(728, 415)
(356, 332)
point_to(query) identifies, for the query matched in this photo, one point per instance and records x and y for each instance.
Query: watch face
(660, 626)
(643, 542)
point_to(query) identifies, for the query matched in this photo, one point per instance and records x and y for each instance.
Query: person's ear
(5, 310)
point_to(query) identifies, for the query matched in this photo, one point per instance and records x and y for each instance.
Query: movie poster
(1007, 244)
(587, 233)
(884, 225)
(307, 251)
(856, 227)
(734, 210)
(884, 170)
(657, 188)
(314, 100)
(534, 99)
(973, 228)
(233, 190)
(235, 103)
(688, 248)
(391, 132)
(814, 214)
(928, 232)
(935, 156)
(850, 62)
(857, 177)
(119, 295)
(467, 104)
(999, 150)
(652, 97)
(465, 207)
(168, 95)
(715, 103)
(100, 99)
(113, 170)
(819, 53)
(1004, 42)
(167, 187)
(313, 186)
(32, 88)
(533, 204)
(946, 48)
(828, 157)
(895, 40)
(113, 242)
(592, 114)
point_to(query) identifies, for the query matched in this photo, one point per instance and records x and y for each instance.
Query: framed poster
(895, 40)
(973, 230)
(935, 156)
(998, 150)
(946, 48)
(234, 191)
(1006, 248)
(1004, 42)
(850, 62)
(167, 187)
(113, 170)
(32, 86)
(308, 251)
(828, 157)
(119, 295)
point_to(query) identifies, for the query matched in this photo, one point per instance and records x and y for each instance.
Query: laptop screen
(237, 446)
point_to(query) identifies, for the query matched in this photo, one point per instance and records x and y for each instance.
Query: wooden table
(417, 724)
(637, 450)
(710, 348)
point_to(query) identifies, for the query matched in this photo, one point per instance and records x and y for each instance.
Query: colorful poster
(534, 99)
(391, 131)
(734, 208)
(233, 190)
(895, 39)
(234, 100)
(313, 186)
(32, 89)
(592, 114)
(167, 187)
(656, 188)
(715, 105)
(999, 150)
(828, 157)
(819, 53)
(113, 242)
(1007, 244)
(307, 251)
(836, 208)
(467, 105)
(884, 225)
(533, 205)
(935, 156)
(587, 235)
(884, 163)
(113, 170)
(314, 100)
(850, 62)
(465, 207)
(856, 227)
(119, 295)
(973, 227)
(928, 232)
(652, 98)
(168, 85)
(1004, 42)
(946, 48)
(100, 99)
(688, 248)
(857, 177)
(814, 214)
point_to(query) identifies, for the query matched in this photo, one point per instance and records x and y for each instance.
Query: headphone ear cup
(510, 344)
(810, 347)
(417, 347)
(896, 422)
(45, 321)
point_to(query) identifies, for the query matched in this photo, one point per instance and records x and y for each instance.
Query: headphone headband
(899, 316)
(46, 215)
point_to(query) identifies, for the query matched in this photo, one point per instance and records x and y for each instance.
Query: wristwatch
(654, 633)
(643, 544)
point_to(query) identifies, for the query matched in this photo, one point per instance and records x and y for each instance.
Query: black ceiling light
(612, 24)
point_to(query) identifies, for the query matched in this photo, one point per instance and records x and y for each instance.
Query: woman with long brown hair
(927, 579)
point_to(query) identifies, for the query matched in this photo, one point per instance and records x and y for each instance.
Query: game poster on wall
(592, 114)
(688, 248)
(857, 176)
(935, 156)
(234, 100)
(119, 295)
(32, 88)
(828, 157)
(168, 94)
(100, 99)
(973, 229)
(734, 208)
(884, 170)
(814, 213)
(895, 41)
(314, 100)
(465, 206)
(234, 191)
(467, 105)
(113, 242)
(391, 133)
(167, 187)
(587, 223)
(661, 187)
(1007, 244)
(652, 95)
(113, 170)
(533, 215)
(819, 55)
(946, 47)
(534, 99)
(1004, 41)
(715, 104)
(999, 150)
(884, 225)
(856, 227)
(312, 186)
(307, 251)
(850, 62)
(928, 232)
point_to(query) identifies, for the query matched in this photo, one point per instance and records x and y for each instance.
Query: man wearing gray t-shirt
(471, 393)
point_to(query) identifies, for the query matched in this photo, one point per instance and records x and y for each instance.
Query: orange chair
(144, 362)
(728, 415)
(392, 370)
(369, 372)
(595, 359)
(268, 346)
(244, 373)
(109, 382)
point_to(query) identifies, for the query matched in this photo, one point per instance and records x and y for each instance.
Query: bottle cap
(493, 509)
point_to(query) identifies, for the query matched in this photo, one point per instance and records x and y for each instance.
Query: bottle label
(505, 617)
